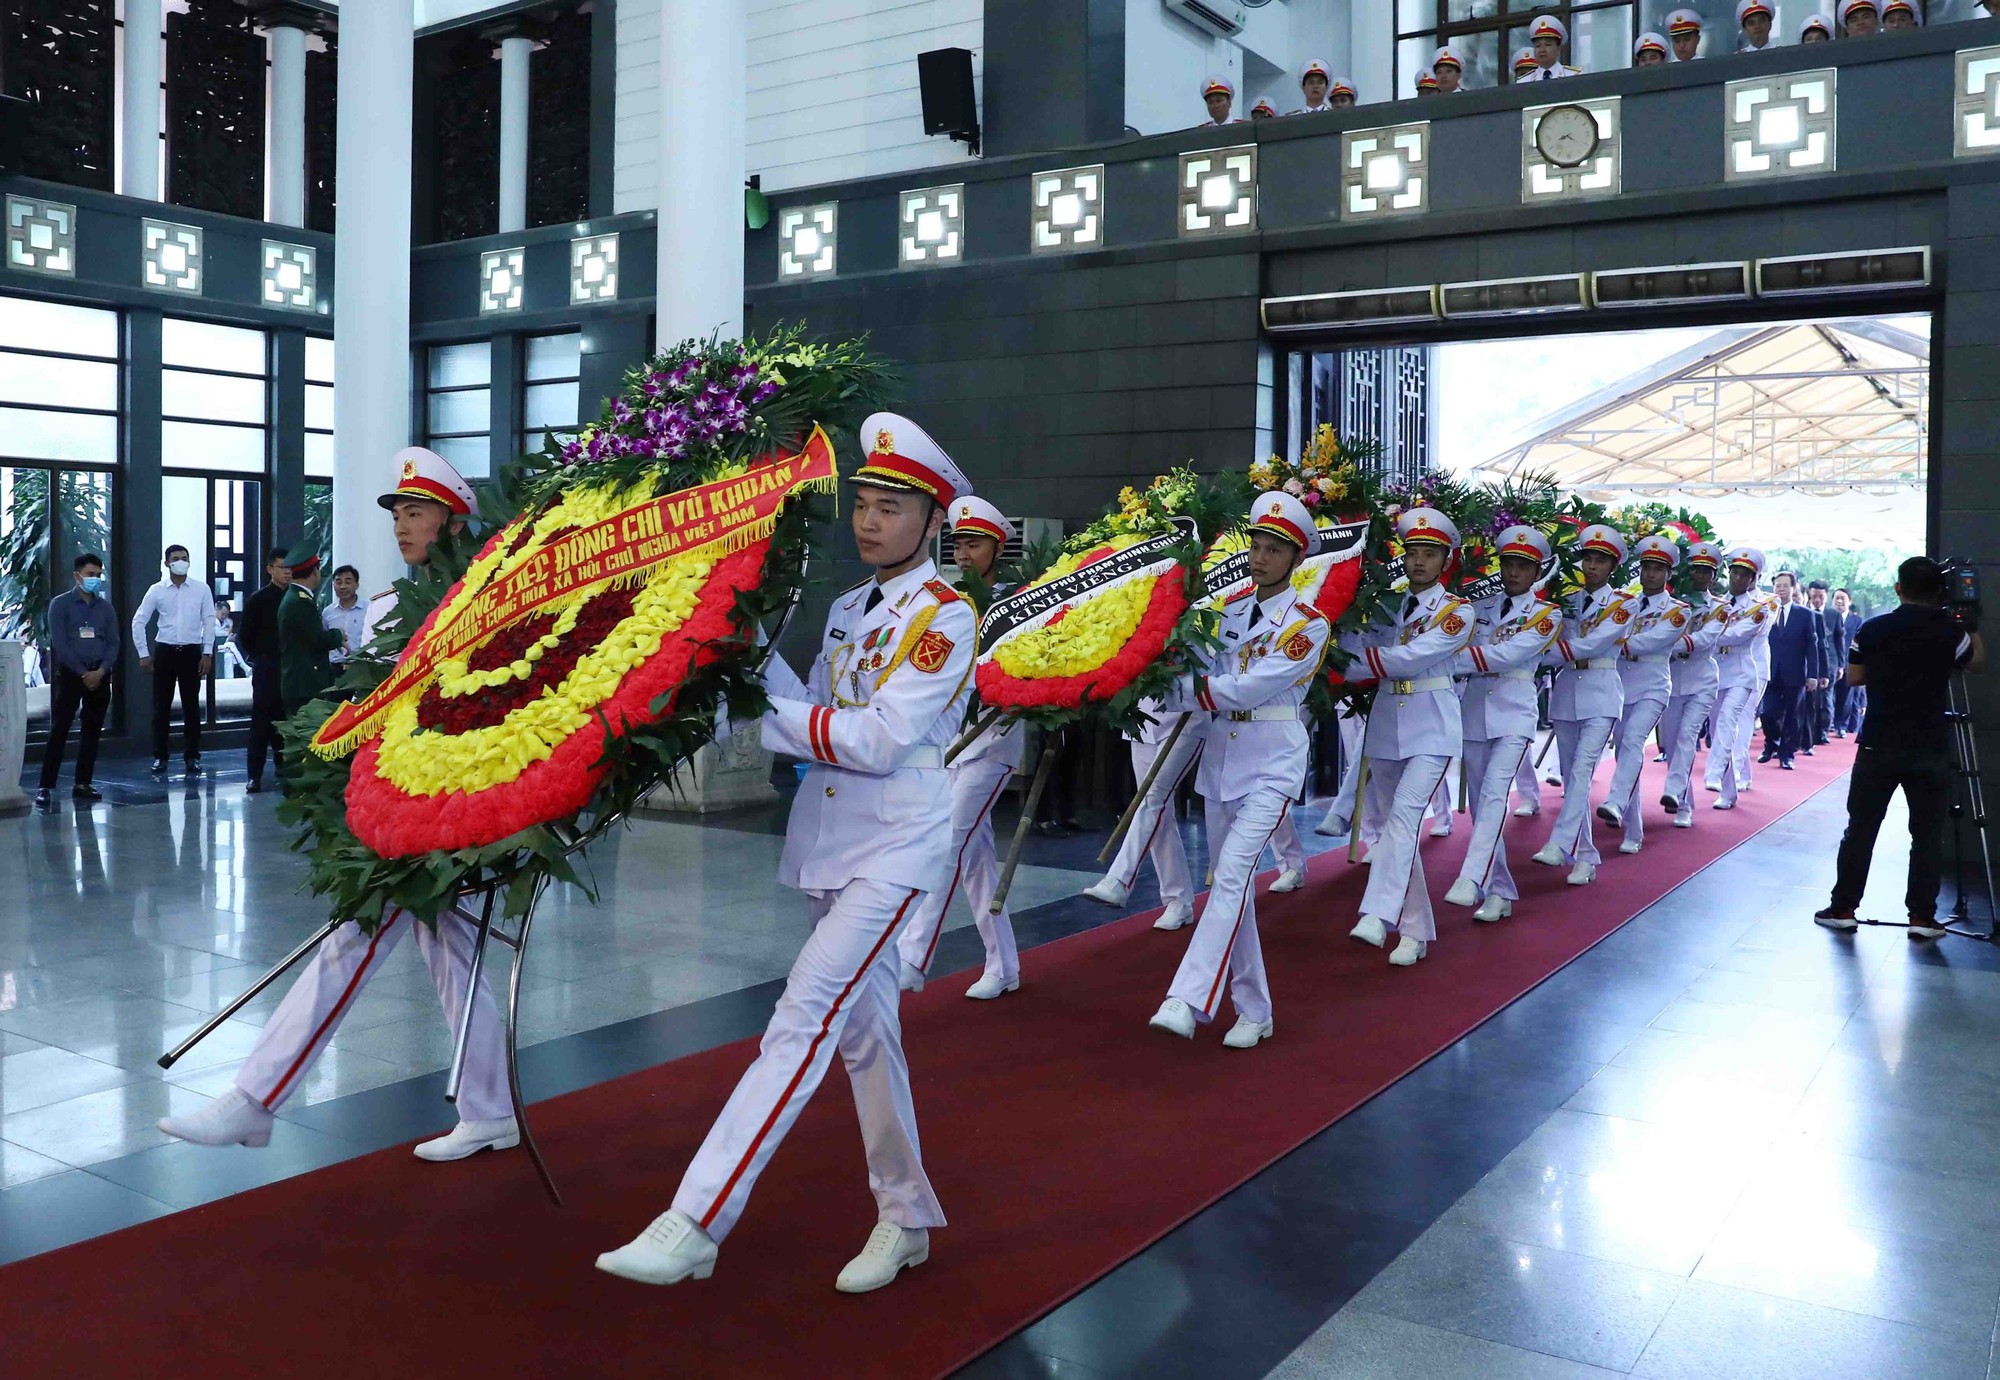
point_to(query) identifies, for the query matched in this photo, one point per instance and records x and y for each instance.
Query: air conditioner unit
(1217, 16)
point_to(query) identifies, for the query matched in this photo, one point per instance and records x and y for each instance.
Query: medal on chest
(875, 649)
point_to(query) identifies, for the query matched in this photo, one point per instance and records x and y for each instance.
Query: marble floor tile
(41, 1076)
(1717, 1333)
(19, 1165)
(101, 1126)
(1359, 1345)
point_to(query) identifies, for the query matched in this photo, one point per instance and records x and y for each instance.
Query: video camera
(1960, 596)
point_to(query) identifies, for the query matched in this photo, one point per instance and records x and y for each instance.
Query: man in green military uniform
(303, 640)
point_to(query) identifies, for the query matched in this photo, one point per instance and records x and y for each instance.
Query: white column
(702, 104)
(288, 125)
(515, 50)
(140, 145)
(371, 302)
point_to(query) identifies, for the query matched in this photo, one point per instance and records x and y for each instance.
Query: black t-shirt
(1909, 653)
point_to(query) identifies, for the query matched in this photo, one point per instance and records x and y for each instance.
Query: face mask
(92, 583)
(177, 567)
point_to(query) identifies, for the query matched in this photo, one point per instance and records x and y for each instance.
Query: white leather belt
(1598, 663)
(1516, 673)
(1265, 714)
(1650, 660)
(1413, 687)
(927, 756)
(1726, 651)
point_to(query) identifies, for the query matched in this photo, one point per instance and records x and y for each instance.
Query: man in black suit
(257, 639)
(1848, 700)
(1833, 656)
(1798, 667)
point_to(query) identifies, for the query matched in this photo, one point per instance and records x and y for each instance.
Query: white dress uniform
(1253, 687)
(1154, 832)
(1414, 730)
(978, 776)
(1692, 697)
(1316, 68)
(1745, 9)
(1746, 724)
(1585, 702)
(1680, 23)
(1661, 626)
(868, 836)
(1746, 629)
(1548, 26)
(1497, 712)
(312, 1011)
(1352, 725)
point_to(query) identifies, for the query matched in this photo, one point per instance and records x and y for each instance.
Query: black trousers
(177, 667)
(1822, 715)
(267, 706)
(1925, 780)
(1849, 702)
(1784, 719)
(70, 692)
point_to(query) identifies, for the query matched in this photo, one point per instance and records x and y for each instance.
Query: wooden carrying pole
(1145, 787)
(971, 735)
(1027, 822)
(1360, 804)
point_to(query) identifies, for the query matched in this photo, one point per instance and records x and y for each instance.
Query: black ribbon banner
(1026, 605)
(1486, 586)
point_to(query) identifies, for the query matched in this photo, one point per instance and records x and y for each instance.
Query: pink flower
(1294, 488)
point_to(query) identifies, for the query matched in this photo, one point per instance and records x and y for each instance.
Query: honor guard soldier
(1684, 33)
(1218, 95)
(429, 496)
(1900, 16)
(1525, 65)
(1587, 696)
(1691, 698)
(1754, 18)
(1817, 28)
(1263, 110)
(1414, 729)
(1427, 83)
(1314, 79)
(1649, 51)
(870, 834)
(1546, 36)
(978, 775)
(1252, 686)
(304, 639)
(1661, 626)
(1342, 94)
(1512, 631)
(1154, 832)
(1449, 68)
(1746, 627)
(1351, 725)
(1859, 18)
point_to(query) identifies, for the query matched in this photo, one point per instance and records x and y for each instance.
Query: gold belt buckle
(1239, 716)
(1403, 687)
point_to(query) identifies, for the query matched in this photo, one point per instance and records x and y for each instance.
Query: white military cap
(1683, 22)
(1217, 86)
(1426, 79)
(1447, 54)
(1548, 26)
(1341, 84)
(1426, 525)
(902, 456)
(973, 514)
(1264, 106)
(1315, 68)
(1823, 22)
(1706, 554)
(1747, 8)
(1653, 41)
(1604, 540)
(1659, 548)
(424, 473)
(1748, 557)
(1848, 7)
(1526, 542)
(1524, 59)
(1906, 6)
(1278, 513)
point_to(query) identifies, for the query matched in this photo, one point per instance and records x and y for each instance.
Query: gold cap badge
(409, 469)
(885, 441)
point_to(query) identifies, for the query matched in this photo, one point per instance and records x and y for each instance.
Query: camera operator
(1906, 658)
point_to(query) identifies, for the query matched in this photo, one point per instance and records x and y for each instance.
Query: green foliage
(26, 555)
(1868, 573)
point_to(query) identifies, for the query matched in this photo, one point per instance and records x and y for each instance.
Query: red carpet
(1063, 1137)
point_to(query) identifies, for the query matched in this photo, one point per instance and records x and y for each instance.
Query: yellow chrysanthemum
(1087, 637)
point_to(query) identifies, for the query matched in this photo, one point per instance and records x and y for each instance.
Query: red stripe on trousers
(1416, 840)
(353, 985)
(1166, 808)
(1222, 971)
(1500, 835)
(957, 868)
(806, 1063)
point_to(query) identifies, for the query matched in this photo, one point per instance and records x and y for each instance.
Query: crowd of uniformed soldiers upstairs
(1543, 59)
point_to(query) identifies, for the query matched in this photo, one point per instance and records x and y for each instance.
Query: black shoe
(1807, 751)
(255, 787)
(42, 800)
(1765, 758)
(1049, 829)
(159, 766)
(83, 790)
(1835, 918)
(192, 766)
(1785, 764)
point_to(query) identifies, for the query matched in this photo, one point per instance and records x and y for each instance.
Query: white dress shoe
(1464, 892)
(1630, 846)
(1175, 1017)
(1291, 879)
(1368, 858)
(1611, 815)
(231, 1119)
(911, 977)
(1551, 856)
(1408, 952)
(1332, 825)
(469, 1138)
(1246, 1033)
(1108, 891)
(890, 1250)
(1370, 931)
(1176, 915)
(1743, 786)
(1583, 874)
(1526, 811)
(1552, 781)
(1683, 821)
(1721, 804)
(990, 986)
(671, 1249)
(1441, 830)
(1494, 908)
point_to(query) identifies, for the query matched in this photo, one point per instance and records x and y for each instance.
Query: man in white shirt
(1546, 36)
(346, 614)
(177, 656)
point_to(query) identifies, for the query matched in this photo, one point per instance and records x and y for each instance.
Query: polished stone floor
(1724, 1143)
